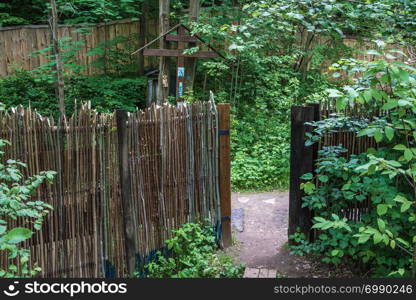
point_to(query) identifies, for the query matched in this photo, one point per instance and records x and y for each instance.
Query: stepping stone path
(259, 273)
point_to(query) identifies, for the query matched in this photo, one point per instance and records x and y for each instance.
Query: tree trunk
(306, 43)
(162, 86)
(142, 34)
(59, 79)
(190, 62)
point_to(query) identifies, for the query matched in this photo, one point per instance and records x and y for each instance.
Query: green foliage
(193, 254)
(108, 93)
(70, 11)
(381, 239)
(68, 49)
(22, 12)
(260, 124)
(15, 203)
(115, 56)
(94, 11)
(105, 93)
(385, 236)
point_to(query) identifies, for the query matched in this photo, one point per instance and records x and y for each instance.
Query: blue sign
(181, 72)
(180, 89)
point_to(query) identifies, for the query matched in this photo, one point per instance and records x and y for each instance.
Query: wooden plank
(175, 52)
(126, 195)
(180, 64)
(301, 162)
(225, 172)
(183, 38)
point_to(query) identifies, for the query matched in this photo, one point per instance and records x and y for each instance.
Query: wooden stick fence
(160, 164)
(18, 41)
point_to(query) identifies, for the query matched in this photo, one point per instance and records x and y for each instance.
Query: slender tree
(162, 87)
(190, 62)
(142, 33)
(59, 79)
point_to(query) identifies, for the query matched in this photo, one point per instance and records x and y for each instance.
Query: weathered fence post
(225, 172)
(301, 162)
(126, 195)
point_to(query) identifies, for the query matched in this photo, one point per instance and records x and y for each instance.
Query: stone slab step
(259, 273)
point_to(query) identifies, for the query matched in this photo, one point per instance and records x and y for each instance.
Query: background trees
(277, 54)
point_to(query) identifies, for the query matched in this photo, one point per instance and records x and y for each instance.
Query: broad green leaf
(378, 136)
(323, 178)
(381, 224)
(307, 176)
(382, 209)
(389, 132)
(346, 186)
(363, 238)
(400, 147)
(377, 237)
(390, 105)
(408, 154)
(17, 235)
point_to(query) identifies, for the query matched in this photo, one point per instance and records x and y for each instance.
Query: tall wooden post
(180, 71)
(225, 172)
(142, 34)
(301, 162)
(163, 87)
(190, 62)
(126, 195)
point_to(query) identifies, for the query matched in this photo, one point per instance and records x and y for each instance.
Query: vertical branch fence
(124, 181)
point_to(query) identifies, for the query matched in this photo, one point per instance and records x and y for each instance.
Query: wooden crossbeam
(176, 53)
(181, 38)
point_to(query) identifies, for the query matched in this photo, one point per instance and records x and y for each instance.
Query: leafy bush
(105, 93)
(15, 204)
(108, 93)
(114, 56)
(381, 239)
(193, 254)
(385, 236)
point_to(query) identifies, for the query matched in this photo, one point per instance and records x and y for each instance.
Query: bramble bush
(384, 238)
(193, 253)
(380, 241)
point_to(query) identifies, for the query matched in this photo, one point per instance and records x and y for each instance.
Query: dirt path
(260, 224)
